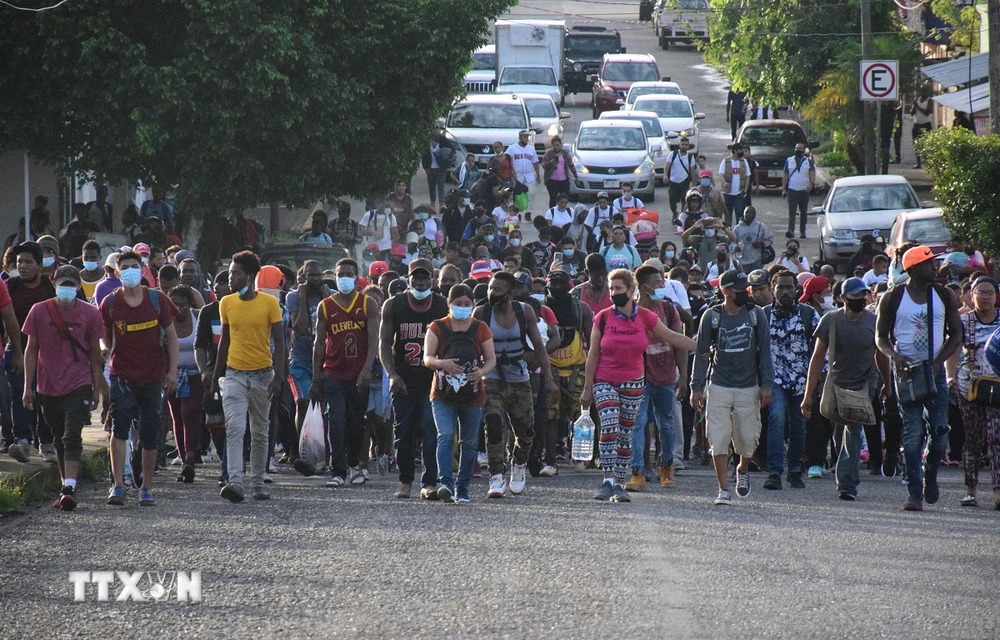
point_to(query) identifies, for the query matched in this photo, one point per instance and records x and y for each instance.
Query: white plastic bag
(312, 440)
(583, 436)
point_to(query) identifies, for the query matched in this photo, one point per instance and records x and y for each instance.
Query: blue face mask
(243, 291)
(461, 313)
(538, 296)
(488, 238)
(569, 252)
(346, 285)
(659, 294)
(422, 216)
(90, 266)
(420, 295)
(709, 233)
(65, 293)
(705, 182)
(669, 255)
(131, 277)
(48, 261)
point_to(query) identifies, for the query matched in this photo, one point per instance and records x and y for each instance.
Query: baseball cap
(915, 256)
(854, 285)
(758, 276)
(655, 263)
(29, 247)
(602, 194)
(463, 193)
(50, 243)
(398, 250)
(481, 270)
(695, 267)
(814, 285)
(705, 174)
(373, 247)
(733, 279)
(421, 264)
(377, 268)
(142, 248)
(523, 132)
(67, 272)
(182, 255)
(412, 238)
(112, 260)
(363, 282)
(522, 277)
(802, 278)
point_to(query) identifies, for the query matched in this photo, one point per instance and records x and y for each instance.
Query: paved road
(321, 563)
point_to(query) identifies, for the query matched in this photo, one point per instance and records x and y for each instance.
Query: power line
(33, 10)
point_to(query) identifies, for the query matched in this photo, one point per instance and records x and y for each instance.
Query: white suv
(478, 121)
(675, 113)
(610, 153)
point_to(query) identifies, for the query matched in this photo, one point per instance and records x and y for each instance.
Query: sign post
(879, 83)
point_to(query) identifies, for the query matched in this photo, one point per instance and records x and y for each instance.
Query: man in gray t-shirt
(854, 355)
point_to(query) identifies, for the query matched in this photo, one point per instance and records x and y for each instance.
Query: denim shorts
(301, 376)
(131, 402)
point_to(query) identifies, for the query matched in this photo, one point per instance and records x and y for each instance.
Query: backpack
(522, 323)
(154, 297)
(462, 346)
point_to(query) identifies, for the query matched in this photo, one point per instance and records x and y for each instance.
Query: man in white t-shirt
(560, 215)
(678, 173)
(601, 211)
(797, 182)
(526, 161)
(734, 171)
(627, 201)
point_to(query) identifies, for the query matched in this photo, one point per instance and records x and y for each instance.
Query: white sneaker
(548, 471)
(518, 479)
(815, 471)
(48, 452)
(176, 461)
(483, 460)
(206, 457)
(680, 465)
(497, 486)
(359, 475)
(335, 481)
(271, 466)
(20, 450)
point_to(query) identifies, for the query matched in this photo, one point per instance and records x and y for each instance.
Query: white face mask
(827, 302)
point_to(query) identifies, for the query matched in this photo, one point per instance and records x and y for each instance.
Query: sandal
(970, 501)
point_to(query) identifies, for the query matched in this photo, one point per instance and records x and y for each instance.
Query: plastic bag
(583, 436)
(312, 441)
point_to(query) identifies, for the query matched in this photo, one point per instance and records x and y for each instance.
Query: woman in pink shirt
(615, 376)
(557, 166)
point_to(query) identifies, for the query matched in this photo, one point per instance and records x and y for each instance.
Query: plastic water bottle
(583, 436)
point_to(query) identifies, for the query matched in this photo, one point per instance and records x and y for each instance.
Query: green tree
(238, 102)
(964, 167)
(964, 23)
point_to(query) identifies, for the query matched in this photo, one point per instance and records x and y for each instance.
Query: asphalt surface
(356, 563)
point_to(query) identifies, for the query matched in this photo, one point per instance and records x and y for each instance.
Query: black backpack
(461, 346)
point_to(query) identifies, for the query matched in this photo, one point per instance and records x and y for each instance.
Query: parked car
(482, 77)
(925, 226)
(676, 116)
(545, 117)
(583, 51)
(680, 21)
(655, 137)
(609, 153)
(772, 143)
(618, 72)
(859, 205)
(477, 121)
(293, 254)
(525, 79)
(648, 88)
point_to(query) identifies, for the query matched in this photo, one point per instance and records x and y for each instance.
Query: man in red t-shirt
(139, 329)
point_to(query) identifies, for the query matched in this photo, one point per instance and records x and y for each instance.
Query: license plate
(775, 173)
(611, 184)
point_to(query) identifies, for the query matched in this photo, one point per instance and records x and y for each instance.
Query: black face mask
(557, 291)
(721, 257)
(740, 298)
(496, 301)
(856, 305)
(799, 154)
(620, 299)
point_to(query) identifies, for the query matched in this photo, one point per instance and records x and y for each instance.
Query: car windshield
(541, 108)
(294, 257)
(691, 4)
(650, 124)
(590, 46)
(630, 72)
(610, 139)
(527, 75)
(930, 230)
(487, 116)
(484, 61)
(773, 136)
(652, 91)
(665, 108)
(873, 197)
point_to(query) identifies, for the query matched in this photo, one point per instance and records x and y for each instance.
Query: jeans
(929, 416)
(446, 416)
(246, 392)
(785, 403)
(734, 208)
(797, 200)
(132, 399)
(435, 184)
(345, 429)
(662, 398)
(676, 192)
(412, 415)
(26, 421)
(848, 473)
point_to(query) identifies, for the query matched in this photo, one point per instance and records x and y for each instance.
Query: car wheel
(666, 44)
(652, 193)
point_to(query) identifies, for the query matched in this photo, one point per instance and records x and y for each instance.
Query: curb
(27, 489)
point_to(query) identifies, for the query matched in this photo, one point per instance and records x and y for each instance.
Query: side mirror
(699, 116)
(563, 115)
(927, 204)
(672, 135)
(655, 149)
(816, 210)
(620, 102)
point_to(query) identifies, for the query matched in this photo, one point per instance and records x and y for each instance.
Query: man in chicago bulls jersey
(405, 317)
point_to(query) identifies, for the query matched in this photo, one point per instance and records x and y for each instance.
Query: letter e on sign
(879, 79)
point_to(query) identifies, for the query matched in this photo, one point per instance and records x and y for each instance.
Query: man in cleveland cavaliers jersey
(405, 318)
(346, 334)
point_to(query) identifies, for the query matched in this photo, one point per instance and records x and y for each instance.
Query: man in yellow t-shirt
(251, 320)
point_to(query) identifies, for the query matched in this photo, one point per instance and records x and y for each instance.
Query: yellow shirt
(249, 324)
(90, 287)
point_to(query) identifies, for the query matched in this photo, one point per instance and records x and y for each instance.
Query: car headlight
(577, 67)
(645, 167)
(608, 89)
(845, 234)
(683, 132)
(553, 130)
(582, 168)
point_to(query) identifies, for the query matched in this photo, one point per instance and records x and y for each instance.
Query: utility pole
(993, 33)
(870, 138)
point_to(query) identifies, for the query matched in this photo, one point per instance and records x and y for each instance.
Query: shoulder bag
(984, 390)
(839, 405)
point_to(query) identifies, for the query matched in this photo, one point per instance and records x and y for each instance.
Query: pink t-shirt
(622, 345)
(559, 173)
(58, 371)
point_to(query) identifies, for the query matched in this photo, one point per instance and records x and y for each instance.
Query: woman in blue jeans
(459, 348)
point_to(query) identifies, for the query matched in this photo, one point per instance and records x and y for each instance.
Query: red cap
(377, 268)
(705, 174)
(814, 285)
(398, 250)
(362, 282)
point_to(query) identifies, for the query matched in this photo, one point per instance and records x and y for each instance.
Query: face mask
(466, 201)
(705, 182)
(856, 305)
(242, 292)
(557, 291)
(709, 233)
(515, 242)
(145, 259)
(496, 301)
(131, 277)
(669, 255)
(461, 313)
(538, 296)
(488, 238)
(420, 295)
(620, 299)
(569, 252)
(659, 294)
(48, 261)
(346, 285)
(90, 266)
(627, 196)
(422, 216)
(65, 293)
(828, 302)
(799, 154)
(740, 298)
(13, 273)
(721, 257)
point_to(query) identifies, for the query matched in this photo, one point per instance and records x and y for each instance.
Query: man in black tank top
(405, 318)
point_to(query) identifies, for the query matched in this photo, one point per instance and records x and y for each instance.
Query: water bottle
(583, 436)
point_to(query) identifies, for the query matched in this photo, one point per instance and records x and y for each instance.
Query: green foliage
(964, 167)
(964, 23)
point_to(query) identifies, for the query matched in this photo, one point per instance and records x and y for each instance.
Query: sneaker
(358, 476)
(888, 468)
(931, 490)
(497, 487)
(605, 493)
(116, 496)
(206, 457)
(795, 480)
(789, 234)
(679, 465)
(724, 498)
(954, 463)
(272, 466)
(403, 491)
(20, 450)
(773, 482)
(549, 471)
(815, 471)
(847, 495)
(303, 467)
(619, 494)
(187, 474)
(232, 492)
(636, 483)
(913, 505)
(335, 481)
(482, 459)
(429, 493)
(462, 495)
(146, 498)
(477, 471)
(268, 479)
(176, 461)
(445, 494)
(382, 465)
(67, 498)
(742, 484)
(970, 501)
(260, 493)
(864, 455)
(518, 478)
